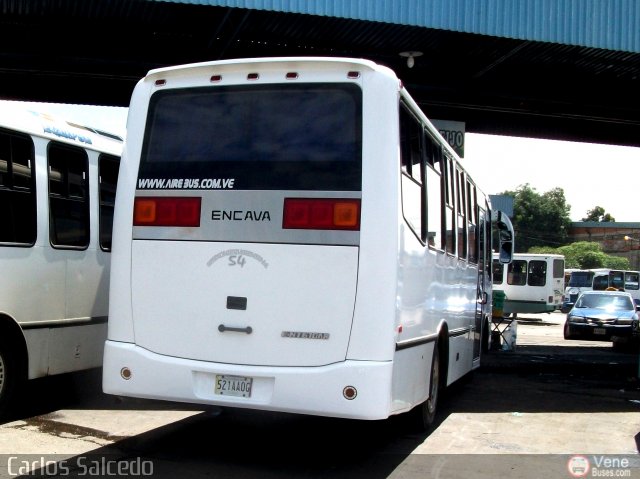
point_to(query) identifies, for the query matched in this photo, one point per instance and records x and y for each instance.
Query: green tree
(585, 255)
(539, 219)
(598, 214)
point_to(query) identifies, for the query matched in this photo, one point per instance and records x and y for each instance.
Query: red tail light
(321, 214)
(166, 211)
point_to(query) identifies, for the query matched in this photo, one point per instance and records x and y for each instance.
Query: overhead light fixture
(410, 56)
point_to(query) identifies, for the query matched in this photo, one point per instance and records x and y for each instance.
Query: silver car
(603, 316)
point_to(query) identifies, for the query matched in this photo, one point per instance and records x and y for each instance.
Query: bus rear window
(304, 137)
(581, 279)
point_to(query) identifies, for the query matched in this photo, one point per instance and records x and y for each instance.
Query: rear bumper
(304, 390)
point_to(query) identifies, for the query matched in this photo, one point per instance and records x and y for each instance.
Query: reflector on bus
(167, 211)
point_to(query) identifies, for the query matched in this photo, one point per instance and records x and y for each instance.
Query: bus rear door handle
(222, 328)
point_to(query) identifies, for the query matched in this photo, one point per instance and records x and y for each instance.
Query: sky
(590, 174)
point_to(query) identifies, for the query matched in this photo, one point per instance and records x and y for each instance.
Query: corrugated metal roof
(497, 85)
(608, 24)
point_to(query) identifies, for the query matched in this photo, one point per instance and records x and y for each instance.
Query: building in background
(616, 239)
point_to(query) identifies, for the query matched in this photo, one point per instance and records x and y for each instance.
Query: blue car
(603, 316)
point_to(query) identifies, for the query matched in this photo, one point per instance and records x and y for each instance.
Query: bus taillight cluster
(321, 214)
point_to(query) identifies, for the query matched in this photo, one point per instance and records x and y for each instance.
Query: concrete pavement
(520, 415)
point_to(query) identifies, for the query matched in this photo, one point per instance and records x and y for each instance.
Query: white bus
(294, 235)
(532, 283)
(57, 196)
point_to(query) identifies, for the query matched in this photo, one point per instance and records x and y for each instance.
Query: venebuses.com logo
(599, 466)
(578, 466)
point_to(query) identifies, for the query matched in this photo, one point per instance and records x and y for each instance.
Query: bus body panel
(76, 348)
(374, 331)
(435, 290)
(297, 301)
(410, 368)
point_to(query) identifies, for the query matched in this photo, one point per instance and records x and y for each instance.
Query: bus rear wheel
(9, 377)
(424, 414)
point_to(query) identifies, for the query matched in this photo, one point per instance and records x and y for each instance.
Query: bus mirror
(506, 252)
(505, 237)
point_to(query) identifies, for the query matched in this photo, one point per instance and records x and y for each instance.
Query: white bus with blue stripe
(57, 196)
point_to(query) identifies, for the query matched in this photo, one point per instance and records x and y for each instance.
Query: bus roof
(266, 61)
(32, 122)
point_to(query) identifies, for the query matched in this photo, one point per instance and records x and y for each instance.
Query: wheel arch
(9, 328)
(443, 352)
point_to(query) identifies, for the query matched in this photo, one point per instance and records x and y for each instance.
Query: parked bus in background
(600, 279)
(532, 283)
(294, 235)
(57, 195)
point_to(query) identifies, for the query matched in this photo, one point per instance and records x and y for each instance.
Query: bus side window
(600, 283)
(472, 222)
(617, 280)
(632, 281)
(68, 196)
(412, 173)
(17, 189)
(461, 208)
(434, 192)
(537, 273)
(108, 178)
(517, 273)
(449, 209)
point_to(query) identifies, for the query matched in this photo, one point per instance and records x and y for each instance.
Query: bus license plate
(238, 386)
(599, 331)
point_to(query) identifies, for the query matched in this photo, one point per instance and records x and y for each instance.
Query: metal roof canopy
(93, 52)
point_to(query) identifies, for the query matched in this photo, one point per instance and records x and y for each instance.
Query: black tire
(423, 415)
(484, 339)
(566, 331)
(10, 376)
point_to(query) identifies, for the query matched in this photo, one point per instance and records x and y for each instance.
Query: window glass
(435, 193)
(411, 144)
(461, 206)
(632, 280)
(434, 208)
(412, 204)
(472, 224)
(558, 268)
(606, 302)
(517, 273)
(581, 279)
(108, 178)
(68, 199)
(617, 279)
(486, 238)
(537, 273)
(450, 234)
(304, 136)
(17, 189)
(600, 283)
(411, 159)
(498, 271)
